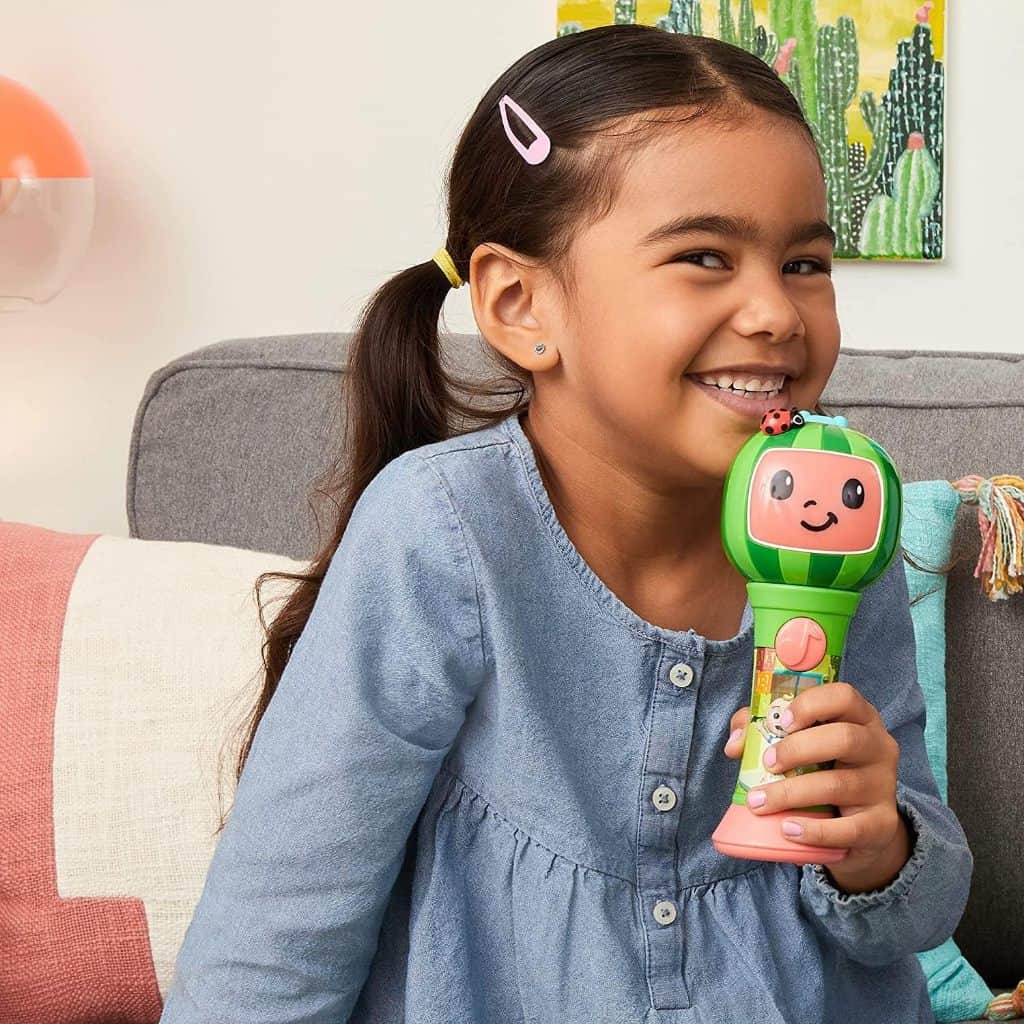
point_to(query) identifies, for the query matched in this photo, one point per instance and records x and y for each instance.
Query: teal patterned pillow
(956, 989)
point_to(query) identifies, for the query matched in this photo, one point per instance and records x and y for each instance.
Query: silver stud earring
(538, 349)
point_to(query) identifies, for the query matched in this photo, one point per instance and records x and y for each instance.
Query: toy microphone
(811, 514)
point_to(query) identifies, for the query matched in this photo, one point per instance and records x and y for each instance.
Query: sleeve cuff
(921, 841)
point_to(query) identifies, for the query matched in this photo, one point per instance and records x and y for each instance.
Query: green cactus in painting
(625, 12)
(893, 224)
(569, 26)
(837, 81)
(747, 25)
(749, 35)
(787, 67)
(726, 26)
(683, 16)
(798, 20)
(914, 103)
(837, 73)
(858, 160)
(755, 38)
(766, 45)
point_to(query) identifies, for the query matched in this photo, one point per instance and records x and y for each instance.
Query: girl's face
(648, 312)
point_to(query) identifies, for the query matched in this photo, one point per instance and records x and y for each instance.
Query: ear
(508, 295)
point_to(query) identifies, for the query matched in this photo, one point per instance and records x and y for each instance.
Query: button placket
(673, 709)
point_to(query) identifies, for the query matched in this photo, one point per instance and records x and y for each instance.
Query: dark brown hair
(598, 94)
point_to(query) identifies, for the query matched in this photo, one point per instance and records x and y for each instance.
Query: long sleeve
(370, 702)
(921, 907)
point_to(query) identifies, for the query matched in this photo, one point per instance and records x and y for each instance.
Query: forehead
(766, 170)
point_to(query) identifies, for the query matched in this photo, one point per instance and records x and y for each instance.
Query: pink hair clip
(539, 149)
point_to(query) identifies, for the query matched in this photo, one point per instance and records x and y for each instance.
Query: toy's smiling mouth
(824, 526)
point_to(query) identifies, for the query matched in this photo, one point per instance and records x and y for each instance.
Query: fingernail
(757, 798)
(735, 735)
(769, 757)
(791, 828)
(787, 719)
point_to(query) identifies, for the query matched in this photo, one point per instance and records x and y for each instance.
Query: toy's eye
(853, 493)
(782, 484)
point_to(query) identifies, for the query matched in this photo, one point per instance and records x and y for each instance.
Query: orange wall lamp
(47, 199)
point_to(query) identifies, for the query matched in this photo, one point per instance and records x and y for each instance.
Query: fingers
(738, 726)
(837, 701)
(834, 741)
(837, 787)
(863, 832)
(739, 719)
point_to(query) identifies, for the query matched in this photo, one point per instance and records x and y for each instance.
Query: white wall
(234, 198)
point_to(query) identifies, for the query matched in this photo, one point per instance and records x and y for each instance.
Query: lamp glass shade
(47, 199)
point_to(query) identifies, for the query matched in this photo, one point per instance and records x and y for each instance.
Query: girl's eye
(816, 265)
(686, 257)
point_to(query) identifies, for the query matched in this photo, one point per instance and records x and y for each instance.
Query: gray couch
(229, 439)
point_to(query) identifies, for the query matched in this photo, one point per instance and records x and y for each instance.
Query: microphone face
(820, 505)
(815, 501)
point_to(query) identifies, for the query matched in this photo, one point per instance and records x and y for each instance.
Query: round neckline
(687, 639)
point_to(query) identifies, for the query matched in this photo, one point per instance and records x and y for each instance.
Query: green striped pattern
(815, 569)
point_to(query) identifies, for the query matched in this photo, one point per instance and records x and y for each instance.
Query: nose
(769, 310)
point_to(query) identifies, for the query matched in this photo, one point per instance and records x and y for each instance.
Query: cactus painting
(883, 154)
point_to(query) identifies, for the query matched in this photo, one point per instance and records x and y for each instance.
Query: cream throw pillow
(128, 666)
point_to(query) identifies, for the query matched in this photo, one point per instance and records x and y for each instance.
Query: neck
(636, 534)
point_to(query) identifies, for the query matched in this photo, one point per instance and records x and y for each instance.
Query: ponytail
(396, 395)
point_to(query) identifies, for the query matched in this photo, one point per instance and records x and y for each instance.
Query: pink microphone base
(741, 833)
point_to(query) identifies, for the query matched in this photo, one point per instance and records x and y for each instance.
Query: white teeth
(751, 387)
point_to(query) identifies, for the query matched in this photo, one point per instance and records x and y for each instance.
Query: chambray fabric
(448, 814)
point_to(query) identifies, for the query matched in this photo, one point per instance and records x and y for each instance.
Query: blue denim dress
(485, 788)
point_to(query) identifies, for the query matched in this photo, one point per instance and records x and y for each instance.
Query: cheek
(635, 357)
(666, 303)
(823, 341)
(823, 332)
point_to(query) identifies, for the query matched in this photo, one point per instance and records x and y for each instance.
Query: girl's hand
(737, 730)
(834, 722)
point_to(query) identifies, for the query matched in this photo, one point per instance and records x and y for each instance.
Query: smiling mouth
(824, 526)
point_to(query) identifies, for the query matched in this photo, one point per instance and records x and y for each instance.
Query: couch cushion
(229, 440)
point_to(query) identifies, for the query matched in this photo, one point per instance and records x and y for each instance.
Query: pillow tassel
(1009, 1006)
(1000, 501)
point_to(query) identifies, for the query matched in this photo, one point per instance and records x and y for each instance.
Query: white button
(664, 912)
(664, 798)
(681, 674)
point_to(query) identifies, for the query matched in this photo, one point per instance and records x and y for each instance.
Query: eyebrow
(740, 227)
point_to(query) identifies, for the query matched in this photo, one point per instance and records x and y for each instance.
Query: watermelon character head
(819, 505)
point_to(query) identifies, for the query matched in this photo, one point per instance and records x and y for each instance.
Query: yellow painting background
(881, 24)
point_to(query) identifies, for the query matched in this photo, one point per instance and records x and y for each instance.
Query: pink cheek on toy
(797, 501)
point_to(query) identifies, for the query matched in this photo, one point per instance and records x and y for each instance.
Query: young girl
(491, 749)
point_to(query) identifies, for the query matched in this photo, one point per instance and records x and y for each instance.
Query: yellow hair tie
(444, 261)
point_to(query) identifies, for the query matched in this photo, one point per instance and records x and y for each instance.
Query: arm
(369, 704)
(921, 906)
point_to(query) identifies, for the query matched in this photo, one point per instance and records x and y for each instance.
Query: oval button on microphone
(800, 644)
